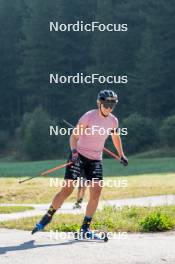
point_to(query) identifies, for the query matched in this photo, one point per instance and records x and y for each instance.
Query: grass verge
(14, 209)
(111, 219)
(42, 190)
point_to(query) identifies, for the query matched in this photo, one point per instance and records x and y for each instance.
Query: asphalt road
(20, 247)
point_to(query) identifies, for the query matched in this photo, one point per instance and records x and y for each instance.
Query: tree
(11, 33)
(153, 78)
(141, 133)
(167, 131)
(36, 141)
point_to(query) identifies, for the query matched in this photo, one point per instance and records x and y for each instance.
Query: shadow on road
(30, 245)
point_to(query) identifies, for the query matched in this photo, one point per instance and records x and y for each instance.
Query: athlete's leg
(63, 194)
(94, 174)
(56, 203)
(81, 193)
(80, 196)
(71, 174)
(95, 191)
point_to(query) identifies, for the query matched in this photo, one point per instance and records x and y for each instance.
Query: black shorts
(85, 168)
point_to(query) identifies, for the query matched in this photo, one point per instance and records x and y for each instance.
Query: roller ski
(84, 235)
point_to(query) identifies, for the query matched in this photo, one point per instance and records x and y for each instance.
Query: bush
(141, 133)
(32, 137)
(156, 221)
(36, 138)
(33, 140)
(167, 131)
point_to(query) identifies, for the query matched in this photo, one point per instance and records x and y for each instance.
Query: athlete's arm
(118, 145)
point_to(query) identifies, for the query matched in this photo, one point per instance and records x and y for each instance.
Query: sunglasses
(110, 105)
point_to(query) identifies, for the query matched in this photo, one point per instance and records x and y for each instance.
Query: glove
(74, 156)
(124, 161)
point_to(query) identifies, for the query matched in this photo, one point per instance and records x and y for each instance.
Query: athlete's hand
(74, 156)
(124, 160)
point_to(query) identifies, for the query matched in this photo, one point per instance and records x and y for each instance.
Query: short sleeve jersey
(98, 128)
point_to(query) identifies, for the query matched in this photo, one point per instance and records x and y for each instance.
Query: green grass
(139, 166)
(39, 190)
(111, 167)
(111, 219)
(156, 153)
(30, 168)
(14, 209)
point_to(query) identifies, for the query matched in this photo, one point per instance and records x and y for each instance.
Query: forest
(144, 54)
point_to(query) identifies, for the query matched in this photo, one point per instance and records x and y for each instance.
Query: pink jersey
(91, 144)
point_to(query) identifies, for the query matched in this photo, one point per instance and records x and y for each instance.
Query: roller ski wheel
(91, 235)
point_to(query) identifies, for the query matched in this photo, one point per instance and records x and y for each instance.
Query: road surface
(20, 247)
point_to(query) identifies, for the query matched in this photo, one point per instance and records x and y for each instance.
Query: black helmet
(107, 96)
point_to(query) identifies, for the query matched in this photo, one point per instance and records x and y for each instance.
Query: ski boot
(77, 206)
(43, 222)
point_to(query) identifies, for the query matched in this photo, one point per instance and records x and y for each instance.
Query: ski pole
(111, 153)
(28, 179)
(48, 171)
(56, 168)
(105, 149)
